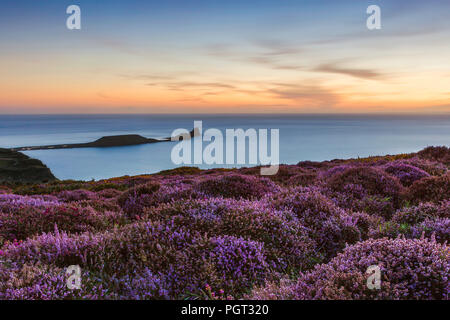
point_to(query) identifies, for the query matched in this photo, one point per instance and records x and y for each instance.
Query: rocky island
(107, 141)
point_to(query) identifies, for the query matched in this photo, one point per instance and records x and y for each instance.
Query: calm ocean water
(302, 137)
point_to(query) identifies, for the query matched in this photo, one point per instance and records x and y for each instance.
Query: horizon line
(235, 113)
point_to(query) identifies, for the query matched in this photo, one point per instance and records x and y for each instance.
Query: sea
(301, 137)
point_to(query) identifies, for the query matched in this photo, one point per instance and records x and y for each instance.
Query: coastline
(316, 138)
(16, 167)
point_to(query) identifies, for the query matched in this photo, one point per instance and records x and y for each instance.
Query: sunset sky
(209, 56)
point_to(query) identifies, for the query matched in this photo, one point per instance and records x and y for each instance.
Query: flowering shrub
(407, 174)
(328, 225)
(309, 232)
(431, 167)
(422, 221)
(432, 189)
(438, 228)
(366, 222)
(234, 263)
(76, 195)
(367, 189)
(109, 193)
(4, 190)
(101, 205)
(274, 290)
(302, 179)
(285, 173)
(27, 221)
(135, 199)
(9, 202)
(237, 186)
(410, 269)
(417, 214)
(335, 170)
(374, 181)
(441, 154)
(41, 282)
(183, 260)
(355, 197)
(286, 242)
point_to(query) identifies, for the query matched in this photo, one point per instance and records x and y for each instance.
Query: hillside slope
(18, 167)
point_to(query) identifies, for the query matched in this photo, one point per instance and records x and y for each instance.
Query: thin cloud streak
(306, 95)
(181, 85)
(353, 72)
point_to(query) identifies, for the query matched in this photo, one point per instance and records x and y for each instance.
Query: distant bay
(302, 137)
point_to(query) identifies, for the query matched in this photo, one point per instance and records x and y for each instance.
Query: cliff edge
(18, 167)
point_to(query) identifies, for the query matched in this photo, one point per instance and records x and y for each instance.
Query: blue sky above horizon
(225, 56)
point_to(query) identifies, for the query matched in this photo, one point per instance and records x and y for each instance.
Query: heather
(411, 269)
(417, 214)
(287, 246)
(406, 174)
(440, 154)
(182, 259)
(426, 219)
(329, 226)
(25, 222)
(433, 189)
(374, 181)
(308, 232)
(236, 186)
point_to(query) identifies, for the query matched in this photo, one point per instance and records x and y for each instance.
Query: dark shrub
(49, 188)
(366, 222)
(135, 199)
(431, 189)
(28, 221)
(285, 173)
(107, 186)
(109, 193)
(441, 154)
(76, 195)
(433, 168)
(312, 165)
(373, 180)
(302, 179)
(181, 171)
(252, 171)
(237, 186)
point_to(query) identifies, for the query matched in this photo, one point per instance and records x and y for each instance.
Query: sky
(192, 56)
